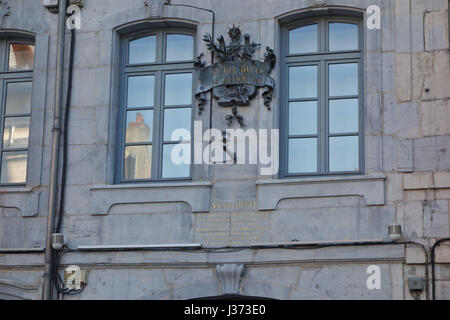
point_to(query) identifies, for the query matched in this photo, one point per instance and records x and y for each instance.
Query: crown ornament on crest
(234, 33)
(235, 50)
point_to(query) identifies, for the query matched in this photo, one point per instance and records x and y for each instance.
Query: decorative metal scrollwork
(236, 77)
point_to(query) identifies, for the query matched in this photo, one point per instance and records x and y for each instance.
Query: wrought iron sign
(236, 77)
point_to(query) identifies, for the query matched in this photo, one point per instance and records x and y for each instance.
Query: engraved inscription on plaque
(233, 224)
(239, 205)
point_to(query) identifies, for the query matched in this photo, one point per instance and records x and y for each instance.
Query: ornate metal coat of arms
(236, 77)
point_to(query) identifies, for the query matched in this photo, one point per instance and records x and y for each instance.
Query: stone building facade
(228, 229)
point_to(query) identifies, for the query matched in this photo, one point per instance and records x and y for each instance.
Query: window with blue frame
(322, 97)
(156, 100)
(16, 75)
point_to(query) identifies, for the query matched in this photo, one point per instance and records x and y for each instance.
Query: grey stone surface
(17, 232)
(373, 113)
(442, 289)
(154, 228)
(429, 75)
(340, 282)
(436, 30)
(408, 127)
(406, 86)
(425, 154)
(412, 215)
(373, 151)
(403, 75)
(373, 72)
(417, 34)
(397, 282)
(347, 222)
(405, 155)
(403, 25)
(25, 200)
(443, 152)
(270, 281)
(436, 219)
(443, 253)
(20, 285)
(388, 71)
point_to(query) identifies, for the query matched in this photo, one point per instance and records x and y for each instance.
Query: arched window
(16, 74)
(322, 97)
(156, 99)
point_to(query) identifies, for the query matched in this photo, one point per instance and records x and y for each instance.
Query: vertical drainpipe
(47, 292)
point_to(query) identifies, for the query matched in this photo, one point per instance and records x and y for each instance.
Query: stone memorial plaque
(233, 224)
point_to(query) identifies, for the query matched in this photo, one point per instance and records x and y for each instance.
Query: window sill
(271, 192)
(14, 189)
(20, 198)
(196, 194)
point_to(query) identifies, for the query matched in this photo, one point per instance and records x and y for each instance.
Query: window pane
(143, 50)
(16, 132)
(344, 155)
(343, 36)
(303, 82)
(138, 162)
(302, 118)
(303, 40)
(139, 126)
(176, 162)
(178, 89)
(303, 155)
(18, 98)
(14, 167)
(21, 56)
(180, 47)
(344, 116)
(141, 91)
(179, 118)
(344, 79)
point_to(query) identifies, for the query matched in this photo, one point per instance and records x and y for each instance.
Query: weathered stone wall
(407, 160)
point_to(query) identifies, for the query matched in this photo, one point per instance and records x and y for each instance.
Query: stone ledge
(271, 192)
(196, 194)
(125, 259)
(335, 254)
(21, 198)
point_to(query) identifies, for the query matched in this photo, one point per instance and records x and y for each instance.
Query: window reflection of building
(323, 102)
(157, 71)
(138, 158)
(21, 56)
(16, 77)
(14, 167)
(16, 135)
